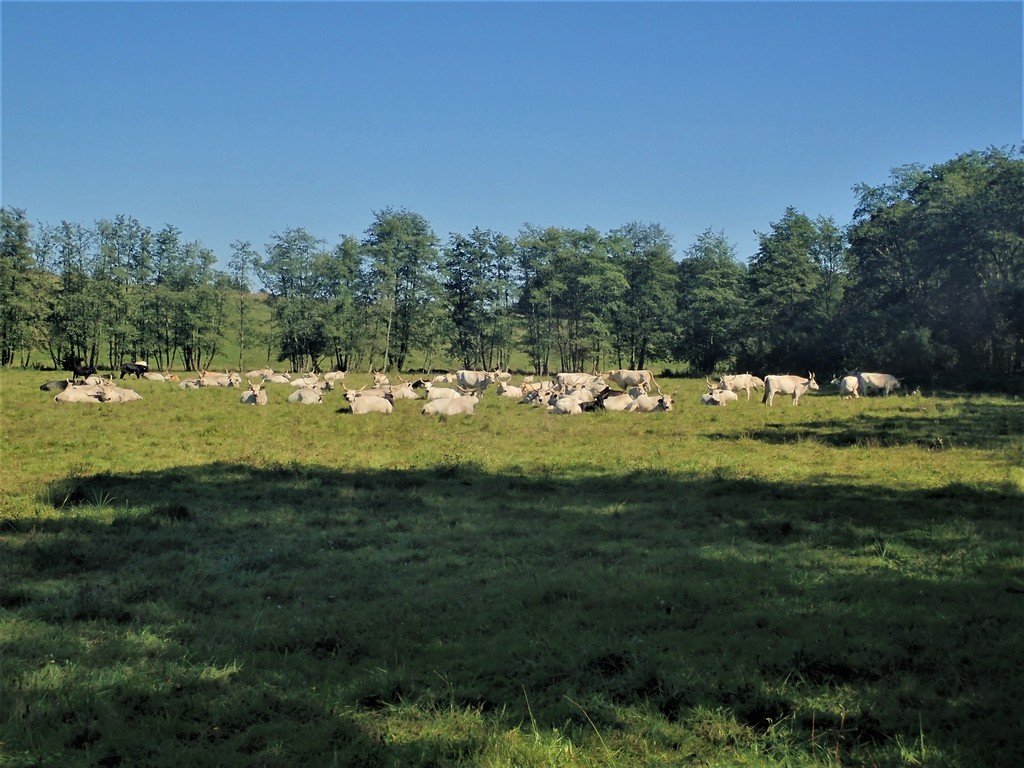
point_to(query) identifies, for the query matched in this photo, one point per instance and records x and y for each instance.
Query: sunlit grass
(833, 584)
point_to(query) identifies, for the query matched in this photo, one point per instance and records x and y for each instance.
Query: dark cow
(82, 371)
(137, 368)
(55, 386)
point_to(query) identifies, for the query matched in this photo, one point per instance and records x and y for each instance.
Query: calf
(137, 368)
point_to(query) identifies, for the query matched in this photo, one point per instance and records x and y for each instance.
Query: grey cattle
(613, 400)
(507, 390)
(362, 404)
(849, 386)
(475, 380)
(307, 396)
(787, 385)
(456, 406)
(113, 394)
(256, 394)
(740, 382)
(440, 393)
(579, 379)
(214, 379)
(632, 378)
(80, 393)
(649, 403)
(877, 382)
(718, 395)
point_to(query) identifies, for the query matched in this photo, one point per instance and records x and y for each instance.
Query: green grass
(184, 580)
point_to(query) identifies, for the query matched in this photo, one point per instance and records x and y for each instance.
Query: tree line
(927, 279)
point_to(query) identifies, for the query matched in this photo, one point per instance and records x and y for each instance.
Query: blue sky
(237, 120)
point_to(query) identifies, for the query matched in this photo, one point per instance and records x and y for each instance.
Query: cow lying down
(86, 393)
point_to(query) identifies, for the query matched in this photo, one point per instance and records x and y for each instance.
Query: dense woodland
(927, 280)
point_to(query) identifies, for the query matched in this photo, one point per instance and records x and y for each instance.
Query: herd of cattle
(458, 393)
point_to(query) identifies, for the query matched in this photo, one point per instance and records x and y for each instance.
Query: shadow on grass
(970, 425)
(279, 614)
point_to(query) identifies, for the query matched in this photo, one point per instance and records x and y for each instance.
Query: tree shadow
(971, 424)
(564, 601)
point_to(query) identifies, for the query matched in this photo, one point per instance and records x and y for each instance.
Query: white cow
(612, 400)
(630, 378)
(307, 380)
(507, 390)
(263, 373)
(566, 405)
(741, 382)
(307, 396)
(255, 395)
(719, 395)
(404, 391)
(579, 379)
(877, 382)
(214, 379)
(115, 394)
(79, 393)
(475, 380)
(849, 386)
(454, 406)
(361, 403)
(787, 385)
(440, 393)
(649, 403)
(334, 376)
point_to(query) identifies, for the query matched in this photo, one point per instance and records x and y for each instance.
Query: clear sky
(237, 120)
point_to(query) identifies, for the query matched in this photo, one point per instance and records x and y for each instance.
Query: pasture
(186, 580)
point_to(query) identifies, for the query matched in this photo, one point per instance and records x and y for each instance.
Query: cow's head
(811, 383)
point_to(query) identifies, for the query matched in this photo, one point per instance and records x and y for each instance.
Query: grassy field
(186, 581)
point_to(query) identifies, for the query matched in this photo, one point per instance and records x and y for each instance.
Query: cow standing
(632, 378)
(740, 382)
(849, 386)
(787, 385)
(877, 382)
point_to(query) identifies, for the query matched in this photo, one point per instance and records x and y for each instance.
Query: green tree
(642, 320)
(710, 302)
(347, 316)
(403, 285)
(936, 283)
(292, 274)
(785, 290)
(573, 280)
(242, 268)
(478, 281)
(17, 285)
